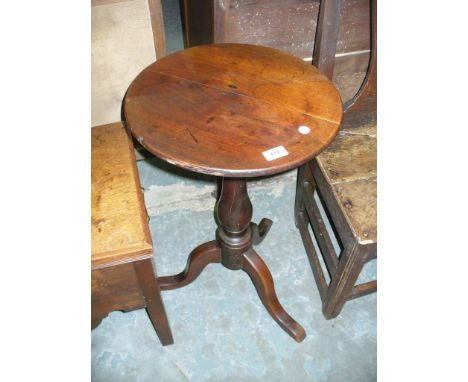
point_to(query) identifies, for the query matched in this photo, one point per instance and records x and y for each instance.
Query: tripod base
(233, 248)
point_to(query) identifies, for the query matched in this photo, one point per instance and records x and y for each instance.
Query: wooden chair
(122, 275)
(344, 177)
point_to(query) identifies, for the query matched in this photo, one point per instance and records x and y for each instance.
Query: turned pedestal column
(233, 247)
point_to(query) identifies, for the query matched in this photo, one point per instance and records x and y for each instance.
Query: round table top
(233, 110)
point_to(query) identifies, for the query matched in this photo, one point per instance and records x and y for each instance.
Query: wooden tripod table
(234, 111)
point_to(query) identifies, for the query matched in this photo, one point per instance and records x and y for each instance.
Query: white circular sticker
(304, 129)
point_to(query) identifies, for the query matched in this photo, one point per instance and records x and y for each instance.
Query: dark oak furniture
(234, 111)
(345, 177)
(122, 275)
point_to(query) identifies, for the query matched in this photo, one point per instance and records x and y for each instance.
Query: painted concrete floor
(221, 330)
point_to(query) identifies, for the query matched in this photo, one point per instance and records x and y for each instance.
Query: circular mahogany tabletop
(233, 110)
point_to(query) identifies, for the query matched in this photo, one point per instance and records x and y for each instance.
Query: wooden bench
(345, 178)
(122, 273)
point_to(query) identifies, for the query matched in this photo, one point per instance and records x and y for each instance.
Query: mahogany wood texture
(198, 259)
(235, 237)
(122, 276)
(254, 266)
(217, 108)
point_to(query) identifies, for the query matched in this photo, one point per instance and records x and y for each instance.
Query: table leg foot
(199, 258)
(254, 266)
(260, 231)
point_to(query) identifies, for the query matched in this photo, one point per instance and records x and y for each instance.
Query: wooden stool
(234, 111)
(345, 177)
(122, 276)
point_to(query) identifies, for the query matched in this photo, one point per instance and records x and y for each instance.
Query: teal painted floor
(221, 330)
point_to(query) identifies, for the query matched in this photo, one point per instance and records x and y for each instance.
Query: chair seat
(349, 166)
(119, 229)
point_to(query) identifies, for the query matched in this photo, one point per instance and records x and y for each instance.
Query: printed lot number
(275, 153)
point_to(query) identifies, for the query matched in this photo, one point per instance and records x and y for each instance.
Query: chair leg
(154, 303)
(342, 283)
(303, 175)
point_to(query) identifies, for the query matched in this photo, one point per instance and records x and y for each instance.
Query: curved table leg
(254, 266)
(199, 258)
(260, 231)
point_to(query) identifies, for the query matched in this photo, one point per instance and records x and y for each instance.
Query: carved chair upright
(344, 177)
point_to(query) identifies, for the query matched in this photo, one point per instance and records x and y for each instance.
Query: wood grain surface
(350, 167)
(362, 108)
(288, 25)
(114, 288)
(359, 202)
(350, 157)
(216, 108)
(119, 229)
